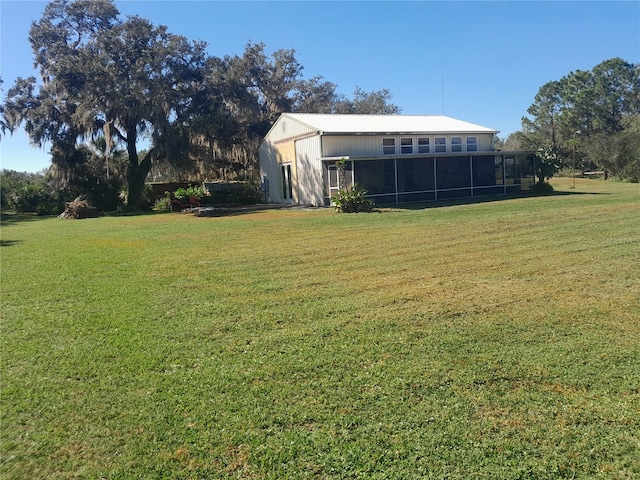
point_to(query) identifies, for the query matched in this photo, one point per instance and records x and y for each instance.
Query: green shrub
(28, 192)
(105, 195)
(190, 191)
(352, 201)
(239, 194)
(247, 194)
(541, 187)
(163, 203)
(34, 197)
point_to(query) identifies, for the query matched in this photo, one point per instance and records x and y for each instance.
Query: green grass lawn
(493, 340)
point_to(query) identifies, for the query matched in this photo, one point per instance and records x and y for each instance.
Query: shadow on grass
(229, 211)
(235, 210)
(135, 213)
(479, 200)
(9, 243)
(10, 218)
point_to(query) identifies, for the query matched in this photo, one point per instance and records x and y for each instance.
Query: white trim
(410, 145)
(395, 146)
(436, 145)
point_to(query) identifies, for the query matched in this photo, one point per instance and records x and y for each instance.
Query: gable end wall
(287, 128)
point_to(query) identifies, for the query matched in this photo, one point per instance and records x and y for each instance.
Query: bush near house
(352, 200)
(190, 191)
(240, 193)
(541, 187)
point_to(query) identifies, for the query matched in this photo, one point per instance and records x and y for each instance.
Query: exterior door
(287, 184)
(334, 182)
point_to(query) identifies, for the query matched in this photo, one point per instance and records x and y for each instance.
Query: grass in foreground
(491, 340)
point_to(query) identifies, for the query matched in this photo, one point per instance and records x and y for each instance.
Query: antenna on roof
(442, 80)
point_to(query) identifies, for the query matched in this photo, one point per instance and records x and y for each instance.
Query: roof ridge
(369, 114)
(385, 123)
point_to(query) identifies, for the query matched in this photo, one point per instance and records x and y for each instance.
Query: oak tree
(126, 81)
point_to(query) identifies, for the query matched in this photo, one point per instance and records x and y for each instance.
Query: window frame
(386, 146)
(426, 143)
(406, 148)
(472, 146)
(456, 144)
(440, 145)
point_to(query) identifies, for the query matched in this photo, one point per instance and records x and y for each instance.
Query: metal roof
(385, 124)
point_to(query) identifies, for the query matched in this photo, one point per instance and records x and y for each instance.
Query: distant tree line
(592, 116)
(28, 192)
(121, 101)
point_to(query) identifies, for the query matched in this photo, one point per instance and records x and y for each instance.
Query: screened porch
(420, 179)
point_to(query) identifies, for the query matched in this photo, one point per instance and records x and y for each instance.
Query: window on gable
(456, 144)
(423, 145)
(388, 146)
(472, 144)
(406, 145)
(441, 144)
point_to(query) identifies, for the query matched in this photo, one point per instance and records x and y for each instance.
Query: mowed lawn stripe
(496, 339)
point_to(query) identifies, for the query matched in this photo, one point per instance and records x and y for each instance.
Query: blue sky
(490, 57)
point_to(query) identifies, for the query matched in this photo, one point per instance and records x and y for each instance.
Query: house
(396, 158)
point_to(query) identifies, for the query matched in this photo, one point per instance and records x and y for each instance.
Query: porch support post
(435, 178)
(504, 175)
(471, 173)
(395, 177)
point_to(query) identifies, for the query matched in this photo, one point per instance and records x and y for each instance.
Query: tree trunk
(135, 184)
(136, 174)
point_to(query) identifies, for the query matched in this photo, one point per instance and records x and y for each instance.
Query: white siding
(269, 168)
(288, 128)
(351, 145)
(371, 145)
(485, 143)
(309, 169)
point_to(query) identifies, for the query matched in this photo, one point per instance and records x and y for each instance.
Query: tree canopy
(159, 96)
(592, 114)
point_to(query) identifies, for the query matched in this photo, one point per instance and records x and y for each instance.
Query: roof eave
(449, 132)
